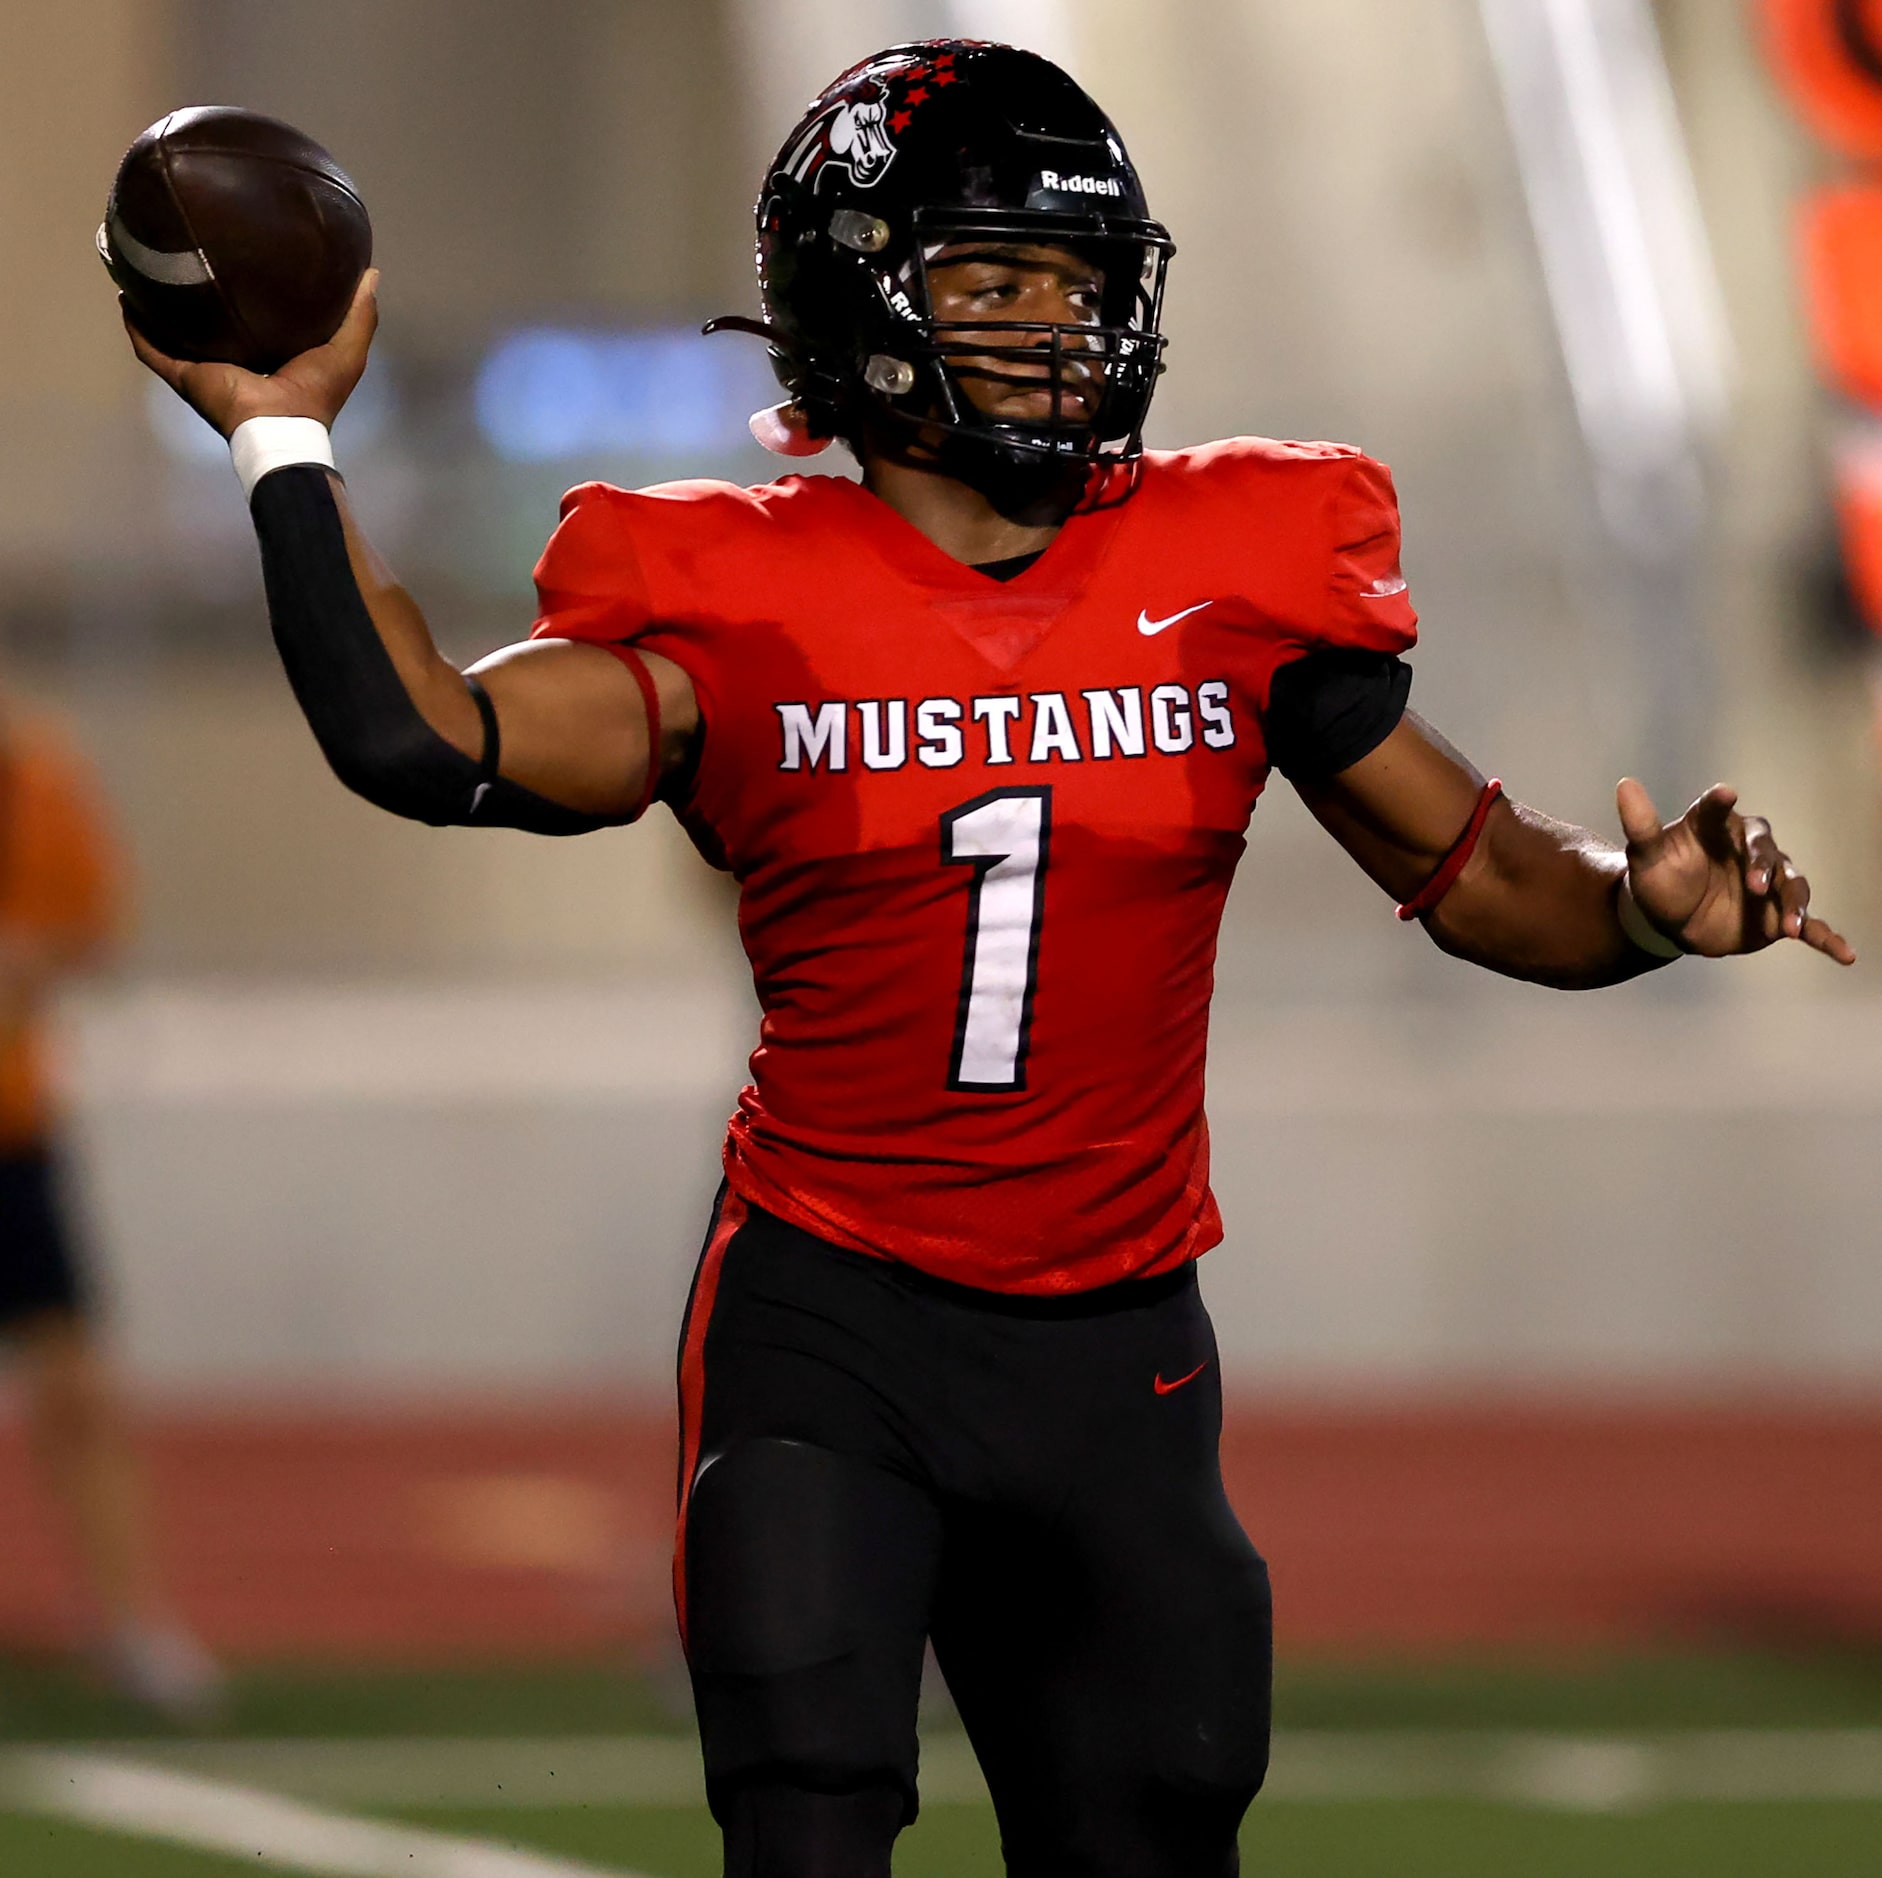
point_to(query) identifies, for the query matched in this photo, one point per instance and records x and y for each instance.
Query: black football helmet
(948, 145)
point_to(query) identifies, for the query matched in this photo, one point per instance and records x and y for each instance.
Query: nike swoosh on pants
(1166, 1388)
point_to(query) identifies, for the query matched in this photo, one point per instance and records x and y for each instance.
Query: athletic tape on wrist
(262, 444)
(1641, 932)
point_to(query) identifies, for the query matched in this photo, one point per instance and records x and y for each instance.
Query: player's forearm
(435, 686)
(363, 678)
(1537, 901)
(396, 723)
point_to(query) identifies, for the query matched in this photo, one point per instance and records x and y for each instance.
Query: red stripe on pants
(732, 1213)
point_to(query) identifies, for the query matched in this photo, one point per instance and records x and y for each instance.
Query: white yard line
(231, 1796)
(446, 1771)
(278, 1834)
(1581, 1773)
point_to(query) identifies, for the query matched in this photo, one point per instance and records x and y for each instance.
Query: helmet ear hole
(894, 378)
(867, 234)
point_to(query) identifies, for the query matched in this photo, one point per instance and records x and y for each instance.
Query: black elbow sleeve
(363, 718)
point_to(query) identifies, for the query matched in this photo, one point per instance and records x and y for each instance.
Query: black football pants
(870, 1458)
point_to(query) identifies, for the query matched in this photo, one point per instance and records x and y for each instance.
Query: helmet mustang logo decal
(858, 134)
(857, 130)
(852, 134)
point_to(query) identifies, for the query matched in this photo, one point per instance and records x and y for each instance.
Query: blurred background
(1552, 1324)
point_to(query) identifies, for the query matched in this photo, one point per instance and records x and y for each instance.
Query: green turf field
(416, 1762)
(1380, 1841)
(40, 1700)
(1428, 1840)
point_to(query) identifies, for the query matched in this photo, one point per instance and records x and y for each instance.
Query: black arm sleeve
(348, 689)
(1332, 706)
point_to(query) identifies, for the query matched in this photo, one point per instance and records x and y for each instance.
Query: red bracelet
(650, 697)
(1452, 865)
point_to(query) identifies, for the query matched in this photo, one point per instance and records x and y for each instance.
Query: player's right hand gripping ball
(234, 237)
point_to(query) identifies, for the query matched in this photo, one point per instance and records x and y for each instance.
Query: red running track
(1417, 1528)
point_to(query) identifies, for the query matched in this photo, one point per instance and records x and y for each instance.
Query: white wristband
(1641, 931)
(271, 443)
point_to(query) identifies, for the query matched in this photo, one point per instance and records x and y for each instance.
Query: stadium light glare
(545, 393)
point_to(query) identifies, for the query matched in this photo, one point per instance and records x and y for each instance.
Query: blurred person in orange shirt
(62, 905)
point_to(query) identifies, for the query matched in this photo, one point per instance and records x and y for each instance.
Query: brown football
(232, 236)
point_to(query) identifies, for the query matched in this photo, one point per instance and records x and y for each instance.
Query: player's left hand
(1716, 882)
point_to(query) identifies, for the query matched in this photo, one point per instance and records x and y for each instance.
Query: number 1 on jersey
(1002, 836)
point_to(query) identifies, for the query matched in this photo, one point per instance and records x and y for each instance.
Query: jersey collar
(1004, 621)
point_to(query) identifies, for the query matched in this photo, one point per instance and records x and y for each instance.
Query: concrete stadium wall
(478, 1189)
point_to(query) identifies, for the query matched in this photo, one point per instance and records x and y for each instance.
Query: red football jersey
(983, 830)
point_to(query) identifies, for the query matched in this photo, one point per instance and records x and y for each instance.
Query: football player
(62, 905)
(979, 737)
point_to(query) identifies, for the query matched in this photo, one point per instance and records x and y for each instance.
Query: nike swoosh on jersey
(1386, 589)
(1167, 1388)
(1151, 627)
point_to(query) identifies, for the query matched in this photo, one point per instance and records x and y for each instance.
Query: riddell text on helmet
(1081, 185)
(1008, 727)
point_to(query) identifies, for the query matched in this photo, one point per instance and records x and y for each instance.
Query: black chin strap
(1024, 485)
